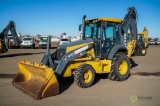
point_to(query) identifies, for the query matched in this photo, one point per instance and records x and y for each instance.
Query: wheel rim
(87, 77)
(123, 67)
(143, 51)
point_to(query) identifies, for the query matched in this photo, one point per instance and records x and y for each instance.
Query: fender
(115, 49)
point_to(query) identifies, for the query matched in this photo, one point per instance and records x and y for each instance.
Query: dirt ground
(141, 89)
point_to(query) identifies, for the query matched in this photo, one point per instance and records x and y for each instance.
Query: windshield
(43, 39)
(27, 38)
(92, 30)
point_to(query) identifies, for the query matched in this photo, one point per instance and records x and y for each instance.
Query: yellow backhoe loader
(102, 49)
(141, 43)
(144, 34)
(4, 41)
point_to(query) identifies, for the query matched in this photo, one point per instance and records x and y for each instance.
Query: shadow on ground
(7, 75)
(65, 83)
(45, 48)
(19, 54)
(157, 74)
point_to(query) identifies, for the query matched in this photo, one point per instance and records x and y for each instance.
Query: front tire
(84, 76)
(120, 69)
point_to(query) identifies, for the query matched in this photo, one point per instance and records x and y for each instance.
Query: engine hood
(78, 42)
(65, 48)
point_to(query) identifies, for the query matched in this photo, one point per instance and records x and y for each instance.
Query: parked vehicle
(28, 42)
(43, 42)
(144, 35)
(152, 42)
(157, 42)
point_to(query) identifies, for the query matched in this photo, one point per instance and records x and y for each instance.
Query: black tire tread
(114, 74)
(78, 76)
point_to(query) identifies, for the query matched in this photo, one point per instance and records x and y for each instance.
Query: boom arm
(4, 33)
(130, 23)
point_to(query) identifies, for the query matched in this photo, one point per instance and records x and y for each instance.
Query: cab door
(105, 37)
(108, 35)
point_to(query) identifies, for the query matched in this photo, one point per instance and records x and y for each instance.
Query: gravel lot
(141, 89)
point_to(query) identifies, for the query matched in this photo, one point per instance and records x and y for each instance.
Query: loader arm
(3, 36)
(68, 57)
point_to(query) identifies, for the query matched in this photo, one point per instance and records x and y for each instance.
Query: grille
(26, 43)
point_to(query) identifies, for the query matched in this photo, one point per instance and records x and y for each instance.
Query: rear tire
(120, 69)
(84, 76)
(141, 52)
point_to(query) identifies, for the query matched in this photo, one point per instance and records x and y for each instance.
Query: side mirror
(80, 26)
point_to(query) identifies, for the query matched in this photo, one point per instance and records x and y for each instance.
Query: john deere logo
(133, 98)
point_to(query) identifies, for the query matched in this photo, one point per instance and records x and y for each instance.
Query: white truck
(28, 42)
(152, 42)
(157, 42)
(43, 42)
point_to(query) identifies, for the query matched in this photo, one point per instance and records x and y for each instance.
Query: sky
(53, 17)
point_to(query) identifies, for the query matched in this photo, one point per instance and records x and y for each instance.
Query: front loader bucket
(36, 79)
